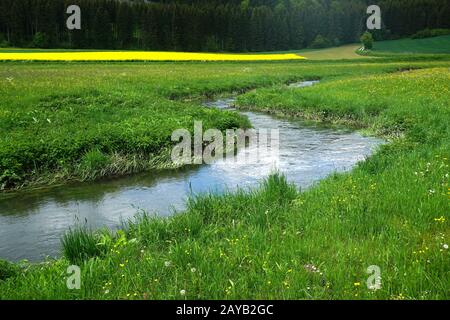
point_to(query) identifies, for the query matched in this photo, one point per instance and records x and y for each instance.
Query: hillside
(428, 45)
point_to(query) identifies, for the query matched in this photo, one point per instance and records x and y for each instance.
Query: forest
(213, 25)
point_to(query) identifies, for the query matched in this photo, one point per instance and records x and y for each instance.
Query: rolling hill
(428, 45)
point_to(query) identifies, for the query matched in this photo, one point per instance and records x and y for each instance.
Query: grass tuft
(81, 244)
(8, 269)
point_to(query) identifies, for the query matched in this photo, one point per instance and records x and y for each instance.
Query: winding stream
(32, 222)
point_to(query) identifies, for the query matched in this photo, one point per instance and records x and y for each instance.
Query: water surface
(32, 222)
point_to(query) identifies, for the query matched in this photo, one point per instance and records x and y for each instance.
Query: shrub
(336, 42)
(382, 34)
(367, 40)
(428, 33)
(321, 42)
(40, 40)
(212, 44)
(94, 160)
(3, 42)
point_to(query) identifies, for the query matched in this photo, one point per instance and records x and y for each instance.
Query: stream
(33, 221)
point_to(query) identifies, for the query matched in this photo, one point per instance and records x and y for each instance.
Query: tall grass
(81, 244)
(7, 270)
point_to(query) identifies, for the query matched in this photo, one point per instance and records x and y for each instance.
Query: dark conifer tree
(225, 25)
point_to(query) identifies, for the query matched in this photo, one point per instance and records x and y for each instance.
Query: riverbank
(37, 219)
(78, 121)
(275, 242)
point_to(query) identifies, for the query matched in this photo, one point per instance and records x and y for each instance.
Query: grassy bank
(276, 242)
(86, 133)
(412, 102)
(79, 121)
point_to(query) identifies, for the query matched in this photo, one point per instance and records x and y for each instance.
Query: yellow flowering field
(143, 56)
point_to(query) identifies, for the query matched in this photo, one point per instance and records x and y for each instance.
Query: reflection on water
(303, 84)
(32, 222)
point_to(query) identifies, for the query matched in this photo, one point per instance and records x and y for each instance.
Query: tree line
(211, 25)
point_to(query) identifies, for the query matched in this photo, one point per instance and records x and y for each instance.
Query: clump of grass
(276, 189)
(92, 163)
(81, 244)
(7, 270)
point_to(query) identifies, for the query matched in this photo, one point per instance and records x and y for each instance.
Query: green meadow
(85, 121)
(433, 45)
(82, 121)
